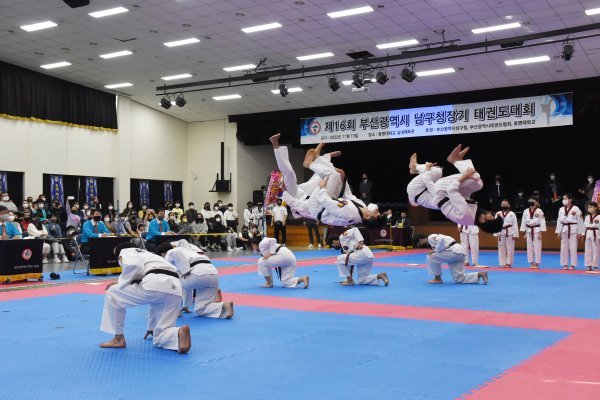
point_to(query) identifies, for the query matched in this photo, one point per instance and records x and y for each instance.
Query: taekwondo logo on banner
(168, 192)
(3, 182)
(490, 116)
(144, 193)
(56, 188)
(91, 189)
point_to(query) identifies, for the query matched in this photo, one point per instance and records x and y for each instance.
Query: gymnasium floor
(528, 334)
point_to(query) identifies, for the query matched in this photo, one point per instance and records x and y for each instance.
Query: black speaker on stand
(77, 3)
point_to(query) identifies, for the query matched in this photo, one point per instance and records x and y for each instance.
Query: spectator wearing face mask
(129, 210)
(365, 188)
(248, 214)
(92, 228)
(231, 217)
(243, 240)
(589, 188)
(25, 206)
(12, 219)
(41, 213)
(216, 213)
(191, 212)
(118, 225)
(278, 221)
(59, 212)
(157, 227)
(7, 202)
(222, 207)
(7, 229)
(42, 198)
(84, 213)
(142, 213)
(173, 222)
(497, 192)
(184, 227)
(112, 213)
(25, 221)
(177, 210)
(37, 230)
(129, 222)
(149, 216)
(258, 215)
(520, 202)
(168, 207)
(256, 234)
(73, 218)
(199, 226)
(206, 212)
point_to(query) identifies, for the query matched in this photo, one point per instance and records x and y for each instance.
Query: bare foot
(383, 276)
(275, 140)
(436, 281)
(347, 283)
(305, 279)
(185, 339)
(318, 149)
(228, 309)
(483, 275)
(185, 310)
(453, 157)
(219, 297)
(461, 155)
(309, 157)
(335, 154)
(118, 342)
(267, 285)
(412, 164)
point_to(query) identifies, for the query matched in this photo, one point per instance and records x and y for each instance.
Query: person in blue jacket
(158, 227)
(7, 230)
(92, 228)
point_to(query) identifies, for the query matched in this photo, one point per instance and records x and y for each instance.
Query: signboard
(500, 115)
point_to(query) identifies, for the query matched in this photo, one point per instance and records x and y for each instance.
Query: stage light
(180, 100)
(381, 77)
(334, 84)
(283, 90)
(357, 79)
(568, 50)
(408, 74)
(165, 103)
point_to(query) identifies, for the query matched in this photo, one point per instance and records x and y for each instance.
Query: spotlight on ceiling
(165, 103)
(357, 79)
(568, 50)
(334, 83)
(283, 90)
(381, 77)
(408, 73)
(180, 100)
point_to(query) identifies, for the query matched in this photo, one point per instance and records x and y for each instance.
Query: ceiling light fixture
(432, 72)
(408, 73)
(180, 100)
(381, 77)
(165, 103)
(529, 60)
(173, 77)
(315, 56)
(227, 97)
(357, 79)
(495, 28)
(106, 13)
(118, 85)
(38, 26)
(283, 91)
(289, 90)
(592, 11)
(239, 68)
(56, 65)
(568, 50)
(352, 11)
(264, 27)
(181, 42)
(333, 83)
(116, 54)
(403, 43)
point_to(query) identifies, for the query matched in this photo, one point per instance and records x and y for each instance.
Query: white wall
(149, 145)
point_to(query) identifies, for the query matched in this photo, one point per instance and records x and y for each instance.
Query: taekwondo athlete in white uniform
(420, 189)
(446, 250)
(356, 256)
(282, 260)
(146, 279)
(591, 238)
(196, 274)
(469, 238)
(507, 236)
(568, 225)
(533, 223)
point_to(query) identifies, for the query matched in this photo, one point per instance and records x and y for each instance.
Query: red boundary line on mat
(496, 269)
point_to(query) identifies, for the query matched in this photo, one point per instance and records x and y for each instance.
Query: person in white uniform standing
(282, 260)
(589, 235)
(568, 226)
(533, 224)
(469, 239)
(357, 256)
(196, 274)
(146, 279)
(446, 250)
(508, 235)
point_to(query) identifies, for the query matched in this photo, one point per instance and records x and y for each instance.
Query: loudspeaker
(222, 185)
(258, 195)
(77, 3)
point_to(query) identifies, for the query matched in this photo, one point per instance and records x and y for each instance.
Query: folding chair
(80, 257)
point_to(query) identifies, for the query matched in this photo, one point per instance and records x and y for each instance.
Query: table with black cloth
(380, 236)
(21, 259)
(103, 260)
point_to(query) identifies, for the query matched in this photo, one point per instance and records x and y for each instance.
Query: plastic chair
(80, 257)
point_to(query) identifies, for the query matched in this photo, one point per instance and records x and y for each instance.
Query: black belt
(156, 271)
(200, 262)
(419, 195)
(451, 244)
(278, 269)
(320, 214)
(446, 199)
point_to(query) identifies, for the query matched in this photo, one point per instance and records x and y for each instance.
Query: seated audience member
(92, 228)
(157, 227)
(56, 233)
(404, 220)
(7, 229)
(112, 213)
(53, 227)
(142, 212)
(69, 243)
(168, 207)
(149, 217)
(84, 213)
(206, 211)
(25, 221)
(42, 199)
(231, 217)
(138, 240)
(215, 240)
(199, 226)
(244, 238)
(14, 220)
(95, 204)
(191, 212)
(37, 230)
(184, 227)
(118, 225)
(7, 202)
(25, 206)
(59, 212)
(255, 233)
(177, 210)
(129, 210)
(41, 213)
(73, 218)
(130, 223)
(173, 222)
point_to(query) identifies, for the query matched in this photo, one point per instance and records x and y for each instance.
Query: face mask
(207, 208)
(144, 208)
(88, 213)
(4, 198)
(532, 203)
(590, 180)
(85, 207)
(278, 203)
(216, 208)
(106, 219)
(11, 218)
(171, 218)
(160, 218)
(219, 203)
(230, 208)
(552, 177)
(191, 207)
(41, 205)
(97, 218)
(218, 219)
(26, 218)
(129, 206)
(505, 208)
(25, 205)
(123, 219)
(53, 220)
(520, 193)
(565, 202)
(177, 205)
(183, 220)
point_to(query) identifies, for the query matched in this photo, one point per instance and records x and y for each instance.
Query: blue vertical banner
(3, 182)
(169, 192)
(56, 188)
(144, 193)
(91, 189)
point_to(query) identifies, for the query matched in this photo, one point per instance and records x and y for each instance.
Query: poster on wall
(91, 189)
(3, 182)
(168, 192)
(144, 193)
(490, 116)
(56, 188)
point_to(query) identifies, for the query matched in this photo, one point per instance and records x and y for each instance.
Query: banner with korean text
(500, 115)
